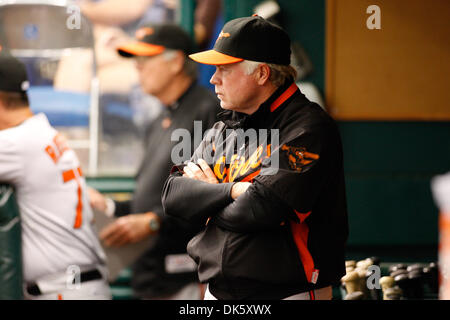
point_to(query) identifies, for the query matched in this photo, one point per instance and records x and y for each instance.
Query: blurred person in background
(164, 271)
(115, 22)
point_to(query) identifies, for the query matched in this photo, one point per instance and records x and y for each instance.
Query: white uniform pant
(60, 287)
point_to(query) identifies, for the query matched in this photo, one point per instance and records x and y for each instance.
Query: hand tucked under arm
(255, 210)
(239, 188)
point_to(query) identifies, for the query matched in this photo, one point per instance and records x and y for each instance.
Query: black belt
(85, 276)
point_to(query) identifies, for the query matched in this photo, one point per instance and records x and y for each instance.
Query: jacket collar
(263, 116)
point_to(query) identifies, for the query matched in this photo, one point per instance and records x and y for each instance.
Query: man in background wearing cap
(62, 257)
(165, 271)
(276, 217)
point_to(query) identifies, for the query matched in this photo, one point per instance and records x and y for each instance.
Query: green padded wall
(10, 246)
(186, 16)
(388, 168)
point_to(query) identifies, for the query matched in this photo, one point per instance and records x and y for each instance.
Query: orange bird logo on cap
(142, 32)
(223, 35)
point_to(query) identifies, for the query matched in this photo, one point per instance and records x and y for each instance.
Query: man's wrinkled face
(235, 89)
(154, 73)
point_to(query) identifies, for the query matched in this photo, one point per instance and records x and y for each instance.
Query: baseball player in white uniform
(62, 257)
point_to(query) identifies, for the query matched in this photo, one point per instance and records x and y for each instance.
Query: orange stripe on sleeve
(79, 215)
(51, 152)
(68, 176)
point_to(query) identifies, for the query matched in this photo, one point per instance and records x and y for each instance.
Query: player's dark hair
(14, 100)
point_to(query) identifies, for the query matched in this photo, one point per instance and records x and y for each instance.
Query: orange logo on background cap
(142, 32)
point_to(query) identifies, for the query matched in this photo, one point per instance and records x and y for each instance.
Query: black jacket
(150, 278)
(286, 234)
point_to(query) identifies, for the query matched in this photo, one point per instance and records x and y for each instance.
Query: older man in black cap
(274, 204)
(164, 271)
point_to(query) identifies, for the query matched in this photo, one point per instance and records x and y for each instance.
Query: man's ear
(262, 74)
(177, 63)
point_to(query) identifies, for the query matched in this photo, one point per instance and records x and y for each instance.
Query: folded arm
(193, 200)
(257, 209)
(240, 207)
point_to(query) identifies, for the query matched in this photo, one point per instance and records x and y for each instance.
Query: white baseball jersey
(56, 217)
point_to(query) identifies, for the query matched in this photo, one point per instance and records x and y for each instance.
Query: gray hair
(190, 67)
(278, 73)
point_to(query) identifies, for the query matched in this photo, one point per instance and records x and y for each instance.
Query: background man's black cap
(153, 39)
(13, 74)
(250, 38)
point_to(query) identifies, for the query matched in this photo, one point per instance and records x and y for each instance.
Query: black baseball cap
(249, 38)
(154, 39)
(13, 74)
